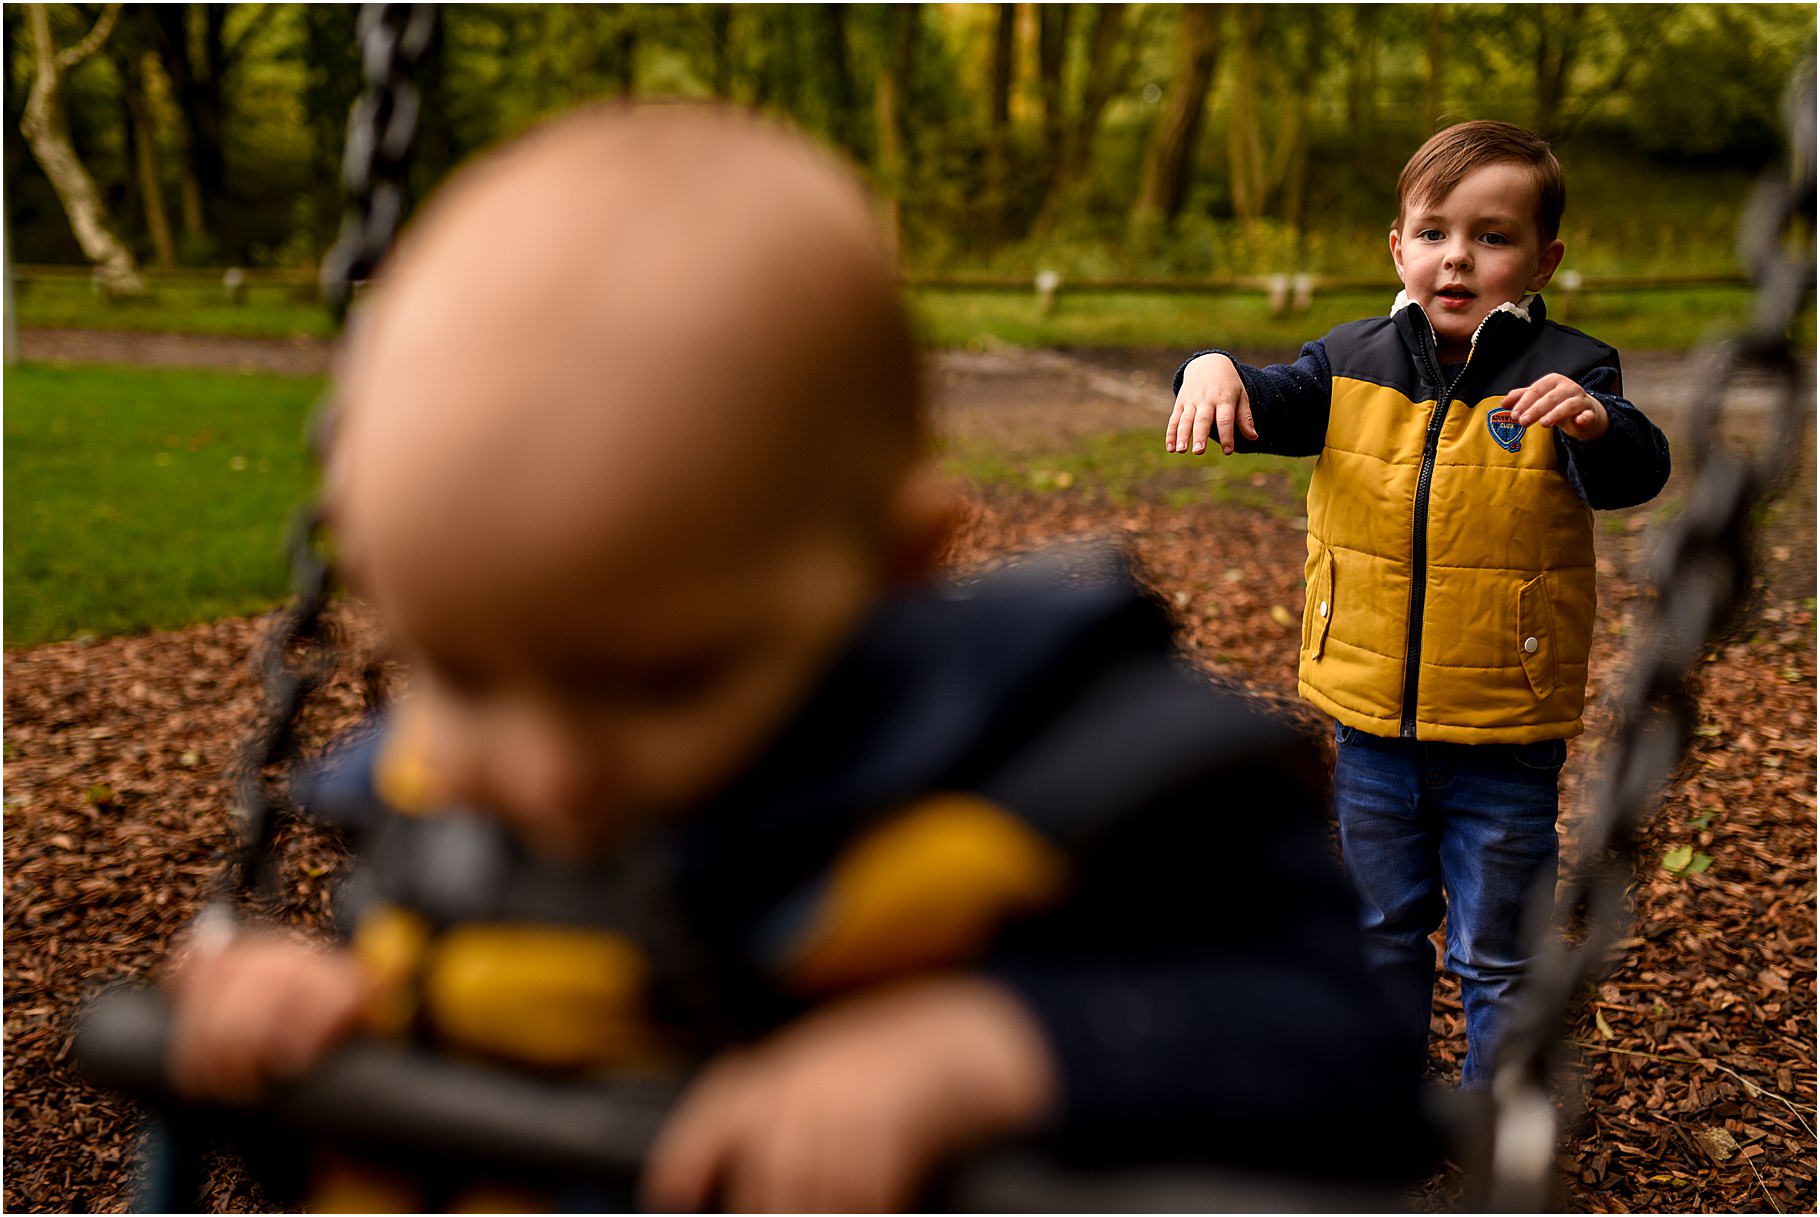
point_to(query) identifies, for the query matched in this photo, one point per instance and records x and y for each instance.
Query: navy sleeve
(1289, 401)
(1628, 464)
(1203, 993)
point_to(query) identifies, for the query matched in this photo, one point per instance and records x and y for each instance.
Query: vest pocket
(1535, 635)
(1317, 613)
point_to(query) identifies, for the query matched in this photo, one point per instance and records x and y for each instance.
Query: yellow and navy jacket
(1013, 774)
(1450, 564)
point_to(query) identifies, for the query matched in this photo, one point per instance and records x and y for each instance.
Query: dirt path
(300, 356)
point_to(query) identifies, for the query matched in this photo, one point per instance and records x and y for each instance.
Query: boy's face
(1463, 255)
(577, 706)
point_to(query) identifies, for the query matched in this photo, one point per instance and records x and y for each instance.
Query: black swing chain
(1700, 576)
(300, 653)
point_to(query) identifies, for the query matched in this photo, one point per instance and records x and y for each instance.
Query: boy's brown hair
(1440, 164)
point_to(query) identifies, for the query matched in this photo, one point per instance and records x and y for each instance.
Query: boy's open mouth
(1454, 297)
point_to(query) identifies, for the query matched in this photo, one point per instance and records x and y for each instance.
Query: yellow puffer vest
(1450, 565)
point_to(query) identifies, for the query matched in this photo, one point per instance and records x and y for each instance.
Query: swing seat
(438, 1119)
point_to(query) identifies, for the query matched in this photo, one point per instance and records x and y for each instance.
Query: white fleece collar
(1519, 307)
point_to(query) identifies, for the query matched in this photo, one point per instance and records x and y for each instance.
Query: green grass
(1634, 321)
(140, 498)
(1130, 466)
(173, 306)
(1663, 320)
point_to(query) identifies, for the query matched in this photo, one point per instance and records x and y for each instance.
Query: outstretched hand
(1559, 401)
(1212, 400)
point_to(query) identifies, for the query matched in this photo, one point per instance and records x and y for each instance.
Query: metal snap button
(1323, 609)
(1530, 645)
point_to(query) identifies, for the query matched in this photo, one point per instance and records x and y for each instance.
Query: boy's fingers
(1169, 432)
(1203, 425)
(1535, 412)
(1558, 408)
(1224, 413)
(1246, 421)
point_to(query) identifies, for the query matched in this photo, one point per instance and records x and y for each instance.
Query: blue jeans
(1465, 829)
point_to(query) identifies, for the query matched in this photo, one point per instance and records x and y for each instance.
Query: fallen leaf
(1717, 1142)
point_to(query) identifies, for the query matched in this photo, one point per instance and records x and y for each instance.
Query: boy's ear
(924, 514)
(1396, 251)
(1545, 267)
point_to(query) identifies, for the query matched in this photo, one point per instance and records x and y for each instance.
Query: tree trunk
(45, 126)
(1286, 176)
(145, 159)
(895, 105)
(1557, 34)
(331, 51)
(720, 49)
(1434, 95)
(192, 64)
(1244, 140)
(829, 30)
(998, 121)
(1096, 90)
(624, 52)
(1168, 161)
(1362, 80)
(1052, 62)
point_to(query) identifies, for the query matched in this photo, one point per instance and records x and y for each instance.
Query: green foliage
(1746, 51)
(1332, 97)
(146, 498)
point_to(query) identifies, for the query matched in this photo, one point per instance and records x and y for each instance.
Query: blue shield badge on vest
(1505, 429)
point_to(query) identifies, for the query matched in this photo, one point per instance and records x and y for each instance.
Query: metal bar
(402, 1104)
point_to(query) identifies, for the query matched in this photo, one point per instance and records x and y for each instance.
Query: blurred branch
(69, 57)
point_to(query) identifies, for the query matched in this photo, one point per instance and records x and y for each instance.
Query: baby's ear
(924, 512)
(1547, 264)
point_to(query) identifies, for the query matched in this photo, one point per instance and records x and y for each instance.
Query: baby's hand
(1559, 401)
(256, 1010)
(1212, 397)
(850, 1107)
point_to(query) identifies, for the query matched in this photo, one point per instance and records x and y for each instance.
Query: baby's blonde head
(631, 435)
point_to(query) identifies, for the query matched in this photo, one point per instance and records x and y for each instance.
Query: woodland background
(1090, 139)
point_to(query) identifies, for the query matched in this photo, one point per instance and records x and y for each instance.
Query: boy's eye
(1429, 234)
(1495, 238)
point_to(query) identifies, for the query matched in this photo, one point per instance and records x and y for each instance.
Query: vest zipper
(1418, 586)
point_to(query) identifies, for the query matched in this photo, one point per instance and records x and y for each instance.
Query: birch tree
(45, 126)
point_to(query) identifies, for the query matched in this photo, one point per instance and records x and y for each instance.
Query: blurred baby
(632, 462)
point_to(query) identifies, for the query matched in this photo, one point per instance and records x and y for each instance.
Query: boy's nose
(1458, 259)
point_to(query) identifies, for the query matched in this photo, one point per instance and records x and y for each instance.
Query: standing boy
(1463, 441)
